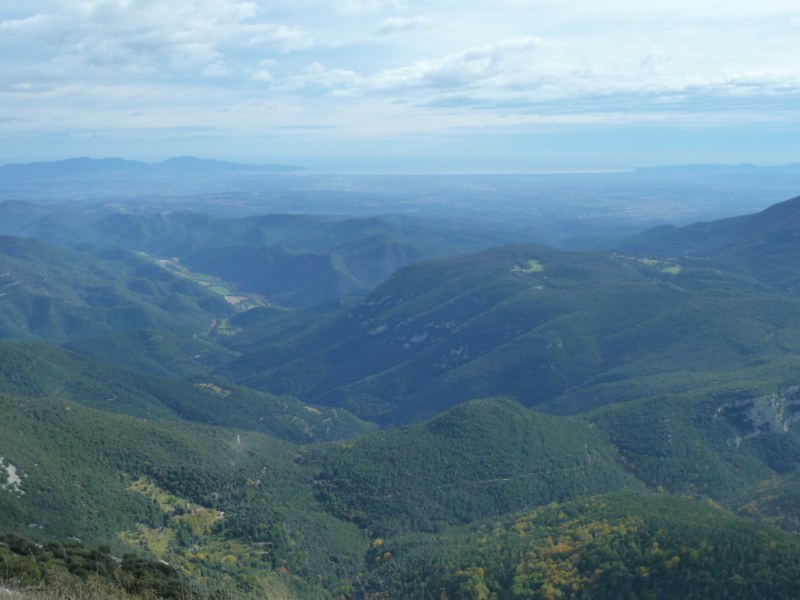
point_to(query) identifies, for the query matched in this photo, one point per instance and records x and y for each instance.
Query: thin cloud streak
(394, 25)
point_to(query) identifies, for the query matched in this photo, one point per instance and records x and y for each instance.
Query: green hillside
(227, 508)
(491, 457)
(154, 352)
(77, 472)
(58, 295)
(762, 245)
(293, 260)
(480, 459)
(285, 278)
(712, 236)
(719, 445)
(375, 515)
(76, 467)
(179, 233)
(566, 332)
(69, 569)
(16, 214)
(40, 371)
(613, 546)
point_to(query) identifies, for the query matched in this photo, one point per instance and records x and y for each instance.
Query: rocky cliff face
(771, 413)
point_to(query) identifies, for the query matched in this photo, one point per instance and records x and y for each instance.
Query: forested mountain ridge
(376, 516)
(480, 459)
(564, 331)
(40, 371)
(611, 546)
(57, 294)
(713, 236)
(763, 245)
(114, 305)
(295, 260)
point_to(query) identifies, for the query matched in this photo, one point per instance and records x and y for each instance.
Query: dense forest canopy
(295, 405)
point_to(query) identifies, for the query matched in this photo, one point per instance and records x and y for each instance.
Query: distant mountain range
(725, 235)
(115, 167)
(762, 245)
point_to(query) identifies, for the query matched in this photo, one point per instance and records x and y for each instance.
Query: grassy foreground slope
(226, 507)
(375, 515)
(75, 466)
(613, 546)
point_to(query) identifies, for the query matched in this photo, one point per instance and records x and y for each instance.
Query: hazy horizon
(401, 85)
(433, 166)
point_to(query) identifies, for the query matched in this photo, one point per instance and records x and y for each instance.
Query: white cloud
(34, 26)
(261, 75)
(400, 24)
(316, 75)
(356, 7)
(471, 68)
(287, 39)
(216, 70)
(119, 34)
(530, 76)
(345, 69)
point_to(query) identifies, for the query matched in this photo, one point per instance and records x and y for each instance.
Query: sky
(403, 85)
